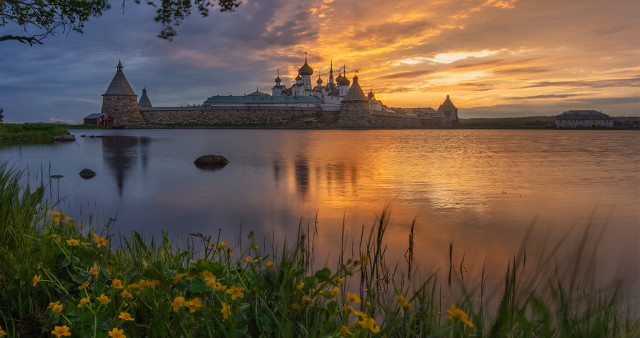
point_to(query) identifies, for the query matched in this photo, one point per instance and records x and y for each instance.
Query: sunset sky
(493, 57)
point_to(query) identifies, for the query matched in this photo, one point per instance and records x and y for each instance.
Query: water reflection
(120, 153)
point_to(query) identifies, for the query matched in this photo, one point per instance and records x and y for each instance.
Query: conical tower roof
(447, 104)
(144, 100)
(355, 92)
(119, 85)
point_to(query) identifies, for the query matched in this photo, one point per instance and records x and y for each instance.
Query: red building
(99, 119)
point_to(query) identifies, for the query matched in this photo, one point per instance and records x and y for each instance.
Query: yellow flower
(295, 306)
(116, 284)
(235, 292)
(52, 236)
(407, 307)
(363, 260)
(177, 303)
(178, 277)
(55, 307)
(248, 259)
(222, 245)
(103, 299)
(125, 316)
(193, 304)
(83, 301)
(352, 297)
(126, 294)
(83, 286)
(93, 270)
(35, 280)
(60, 331)
(340, 281)
(225, 309)
(115, 333)
(73, 242)
(101, 241)
(344, 330)
(229, 253)
(335, 291)
(401, 299)
(2, 332)
(372, 326)
(307, 300)
(270, 265)
(83, 244)
(300, 286)
(348, 309)
(219, 287)
(207, 275)
(214, 246)
(458, 314)
(39, 265)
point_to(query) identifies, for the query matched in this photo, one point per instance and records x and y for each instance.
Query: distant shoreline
(528, 122)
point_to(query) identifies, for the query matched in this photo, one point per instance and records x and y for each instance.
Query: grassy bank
(30, 132)
(59, 277)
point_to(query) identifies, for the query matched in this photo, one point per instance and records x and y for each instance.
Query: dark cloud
(406, 75)
(546, 96)
(519, 71)
(474, 87)
(625, 82)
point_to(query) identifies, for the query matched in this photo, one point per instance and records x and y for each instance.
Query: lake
(478, 189)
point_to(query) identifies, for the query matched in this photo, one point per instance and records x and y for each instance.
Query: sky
(494, 58)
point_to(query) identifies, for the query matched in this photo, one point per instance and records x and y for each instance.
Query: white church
(302, 94)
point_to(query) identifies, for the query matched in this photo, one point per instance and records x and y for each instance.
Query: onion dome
(319, 82)
(371, 95)
(343, 81)
(298, 78)
(306, 69)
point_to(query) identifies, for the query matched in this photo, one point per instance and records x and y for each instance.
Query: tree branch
(31, 40)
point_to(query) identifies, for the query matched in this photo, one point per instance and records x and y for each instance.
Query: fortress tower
(120, 102)
(354, 110)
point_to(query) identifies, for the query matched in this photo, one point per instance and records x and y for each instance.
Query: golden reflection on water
(477, 189)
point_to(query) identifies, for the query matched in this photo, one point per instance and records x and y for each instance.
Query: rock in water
(87, 173)
(64, 138)
(211, 162)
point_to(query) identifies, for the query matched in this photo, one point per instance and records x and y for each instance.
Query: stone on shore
(211, 162)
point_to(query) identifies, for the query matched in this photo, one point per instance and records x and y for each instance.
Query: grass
(59, 278)
(31, 132)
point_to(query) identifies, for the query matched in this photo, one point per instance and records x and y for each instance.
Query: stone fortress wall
(119, 103)
(231, 115)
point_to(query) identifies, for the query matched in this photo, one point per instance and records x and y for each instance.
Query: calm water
(479, 189)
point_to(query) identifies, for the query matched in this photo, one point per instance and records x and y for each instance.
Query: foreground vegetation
(61, 278)
(30, 132)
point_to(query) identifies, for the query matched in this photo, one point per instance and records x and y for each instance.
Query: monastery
(340, 103)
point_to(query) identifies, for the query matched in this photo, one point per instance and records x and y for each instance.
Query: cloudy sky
(493, 57)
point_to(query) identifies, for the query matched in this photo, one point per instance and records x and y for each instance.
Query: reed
(58, 276)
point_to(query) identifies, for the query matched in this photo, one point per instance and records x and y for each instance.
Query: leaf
(197, 285)
(324, 275)
(333, 308)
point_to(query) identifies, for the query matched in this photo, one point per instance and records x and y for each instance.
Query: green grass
(30, 133)
(56, 273)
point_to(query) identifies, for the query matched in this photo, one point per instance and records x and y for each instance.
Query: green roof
(261, 99)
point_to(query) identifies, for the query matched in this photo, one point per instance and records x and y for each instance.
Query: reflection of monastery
(338, 103)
